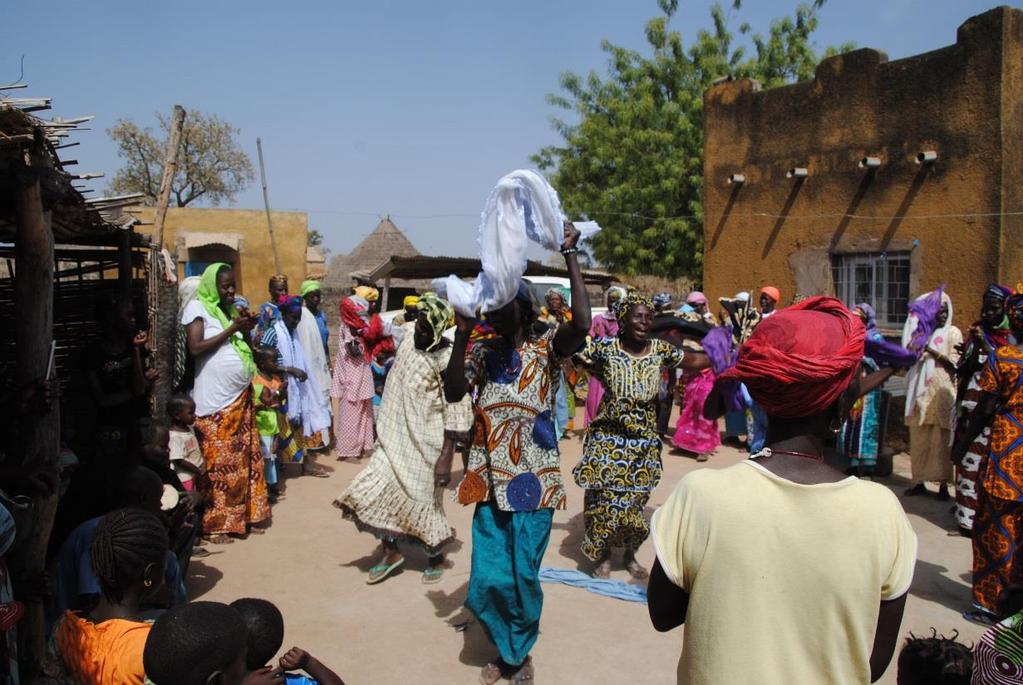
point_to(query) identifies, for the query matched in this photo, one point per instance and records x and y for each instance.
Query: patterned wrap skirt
(614, 519)
(997, 549)
(234, 464)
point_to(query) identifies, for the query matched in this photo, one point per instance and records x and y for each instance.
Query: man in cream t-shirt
(783, 570)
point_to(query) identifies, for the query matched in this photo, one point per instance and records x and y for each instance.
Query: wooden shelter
(58, 252)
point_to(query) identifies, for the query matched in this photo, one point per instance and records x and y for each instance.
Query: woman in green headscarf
(397, 496)
(217, 333)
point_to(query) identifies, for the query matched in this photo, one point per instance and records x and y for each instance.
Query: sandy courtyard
(312, 564)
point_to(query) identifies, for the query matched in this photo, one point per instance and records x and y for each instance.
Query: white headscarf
(308, 332)
(305, 400)
(522, 207)
(921, 373)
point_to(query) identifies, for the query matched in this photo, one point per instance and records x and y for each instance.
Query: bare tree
(212, 166)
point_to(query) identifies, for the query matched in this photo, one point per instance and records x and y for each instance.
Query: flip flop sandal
(980, 617)
(490, 674)
(524, 674)
(317, 473)
(637, 571)
(381, 571)
(432, 576)
(220, 539)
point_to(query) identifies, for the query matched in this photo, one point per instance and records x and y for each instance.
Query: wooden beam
(33, 298)
(170, 168)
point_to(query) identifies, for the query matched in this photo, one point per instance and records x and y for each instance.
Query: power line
(707, 217)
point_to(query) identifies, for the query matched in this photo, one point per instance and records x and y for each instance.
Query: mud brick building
(877, 180)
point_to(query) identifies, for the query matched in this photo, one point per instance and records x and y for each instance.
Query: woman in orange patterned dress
(998, 526)
(217, 334)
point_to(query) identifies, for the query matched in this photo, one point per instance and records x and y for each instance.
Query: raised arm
(571, 335)
(456, 385)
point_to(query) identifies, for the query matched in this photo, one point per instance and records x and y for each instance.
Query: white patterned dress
(394, 497)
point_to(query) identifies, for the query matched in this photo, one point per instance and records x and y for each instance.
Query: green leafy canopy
(634, 160)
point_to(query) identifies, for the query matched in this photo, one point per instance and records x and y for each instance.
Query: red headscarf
(799, 361)
(374, 339)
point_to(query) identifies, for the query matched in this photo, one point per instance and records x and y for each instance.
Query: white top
(185, 447)
(782, 588)
(219, 376)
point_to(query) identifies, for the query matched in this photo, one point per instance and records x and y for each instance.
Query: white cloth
(312, 346)
(921, 373)
(184, 446)
(306, 402)
(522, 207)
(220, 375)
(186, 292)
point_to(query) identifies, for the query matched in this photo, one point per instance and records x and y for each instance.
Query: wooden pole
(266, 203)
(33, 302)
(124, 267)
(170, 168)
(163, 351)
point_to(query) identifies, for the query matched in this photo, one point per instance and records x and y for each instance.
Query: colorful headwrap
(621, 306)
(1014, 310)
(662, 300)
(997, 292)
(368, 293)
(696, 297)
(615, 292)
(278, 279)
(793, 374)
(208, 294)
(290, 303)
(353, 310)
(410, 301)
(309, 286)
(552, 292)
(869, 316)
(997, 336)
(925, 308)
(438, 314)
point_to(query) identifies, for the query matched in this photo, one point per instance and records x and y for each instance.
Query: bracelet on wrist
(570, 250)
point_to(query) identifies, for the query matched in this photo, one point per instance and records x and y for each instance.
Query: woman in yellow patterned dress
(621, 462)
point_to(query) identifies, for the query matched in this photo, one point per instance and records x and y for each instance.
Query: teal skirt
(504, 582)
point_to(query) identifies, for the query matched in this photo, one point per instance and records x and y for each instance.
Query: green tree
(634, 160)
(313, 238)
(212, 166)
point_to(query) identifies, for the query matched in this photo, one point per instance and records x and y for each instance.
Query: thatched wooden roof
(385, 241)
(74, 218)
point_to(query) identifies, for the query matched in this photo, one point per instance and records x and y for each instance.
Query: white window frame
(890, 299)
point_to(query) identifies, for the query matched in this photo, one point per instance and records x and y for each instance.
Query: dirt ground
(313, 565)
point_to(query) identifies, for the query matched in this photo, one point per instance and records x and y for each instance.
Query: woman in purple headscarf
(931, 390)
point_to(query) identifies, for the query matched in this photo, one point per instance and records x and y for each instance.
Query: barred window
(879, 279)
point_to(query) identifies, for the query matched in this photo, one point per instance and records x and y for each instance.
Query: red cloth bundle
(799, 361)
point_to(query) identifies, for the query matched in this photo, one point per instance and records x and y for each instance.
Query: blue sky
(412, 109)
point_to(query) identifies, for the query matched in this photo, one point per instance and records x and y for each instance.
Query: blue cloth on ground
(615, 589)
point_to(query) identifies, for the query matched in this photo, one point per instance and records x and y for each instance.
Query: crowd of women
(404, 396)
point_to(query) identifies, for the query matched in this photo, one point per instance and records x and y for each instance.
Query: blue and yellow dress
(621, 462)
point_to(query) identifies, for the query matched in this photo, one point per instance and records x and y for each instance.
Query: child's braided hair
(126, 543)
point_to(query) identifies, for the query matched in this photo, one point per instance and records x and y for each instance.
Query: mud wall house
(201, 236)
(869, 221)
